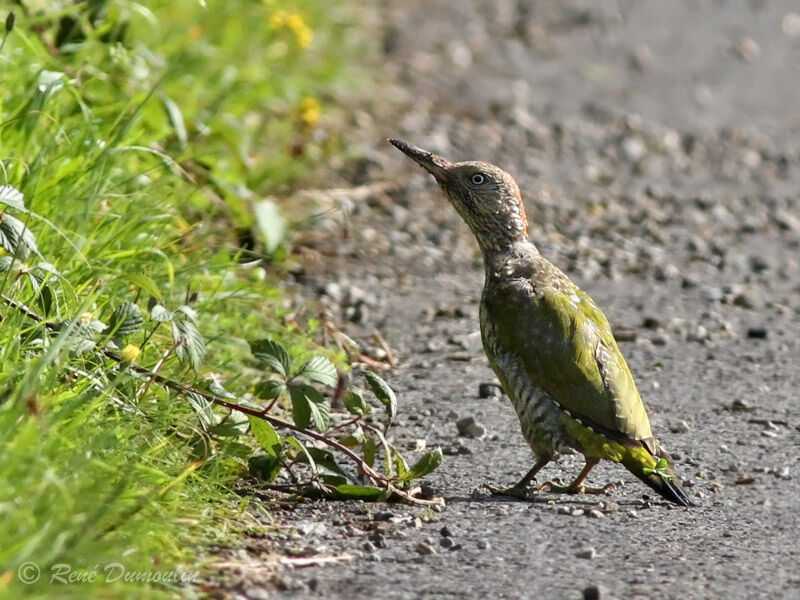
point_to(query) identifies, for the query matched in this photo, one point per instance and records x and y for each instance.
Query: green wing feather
(567, 348)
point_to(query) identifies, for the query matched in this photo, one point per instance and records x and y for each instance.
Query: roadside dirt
(656, 144)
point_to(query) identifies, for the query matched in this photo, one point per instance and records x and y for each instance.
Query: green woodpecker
(548, 342)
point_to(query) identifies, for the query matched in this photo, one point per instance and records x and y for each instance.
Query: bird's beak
(435, 165)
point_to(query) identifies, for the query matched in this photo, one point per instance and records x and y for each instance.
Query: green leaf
(235, 424)
(383, 393)
(11, 196)
(126, 319)
(273, 355)
(16, 238)
(189, 344)
(309, 407)
(203, 408)
(327, 467)
(423, 466)
(176, 119)
(145, 283)
(271, 224)
(303, 452)
(265, 467)
(370, 451)
(269, 389)
(360, 492)
(355, 404)
(400, 464)
(266, 436)
(9, 263)
(301, 409)
(160, 314)
(321, 370)
(215, 387)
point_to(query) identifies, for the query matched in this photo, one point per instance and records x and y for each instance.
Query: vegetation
(148, 358)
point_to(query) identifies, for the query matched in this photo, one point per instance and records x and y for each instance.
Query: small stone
(427, 491)
(425, 549)
(790, 24)
(594, 592)
(747, 49)
(747, 299)
(595, 514)
(446, 532)
(487, 389)
(484, 545)
(469, 427)
(587, 553)
(757, 333)
(633, 149)
(578, 512)
(564, 510)
(679, 427)
(446, 543)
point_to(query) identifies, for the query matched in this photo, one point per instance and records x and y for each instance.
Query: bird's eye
(478, 178)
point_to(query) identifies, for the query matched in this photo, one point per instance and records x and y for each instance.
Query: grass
(144, 137)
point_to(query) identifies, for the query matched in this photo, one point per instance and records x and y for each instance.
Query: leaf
(189, 344)
(176, 118)
(266, 436)
(160, 314)
(360, 492)
(327, 467)
(269, 389)
(16, 238)
(370, 451)
(215, 387)
(301, 409)
(309, 407)
(234, 425)
(298, 445)
(11, 196)
(126, 319)
(355, 404)
(273, 355)
(321, 370)
(400, 463)
(271, 224)
(145, 283)
(203, 408)
(9, 263)
(265, 467)
(383, 393)
(423, 466)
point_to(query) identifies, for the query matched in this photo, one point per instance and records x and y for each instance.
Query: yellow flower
(294, 23)
(130, 353)
(309, 111)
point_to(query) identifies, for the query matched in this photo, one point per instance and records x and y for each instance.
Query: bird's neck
(514, 260)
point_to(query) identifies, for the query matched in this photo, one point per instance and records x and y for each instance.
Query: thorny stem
(362, 465)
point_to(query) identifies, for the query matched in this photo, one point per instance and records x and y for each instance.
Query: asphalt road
(656, 144)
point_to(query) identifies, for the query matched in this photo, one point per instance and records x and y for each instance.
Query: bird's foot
(515, 491)
(558, 487)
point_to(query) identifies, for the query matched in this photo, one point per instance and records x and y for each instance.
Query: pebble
(596, 514)
(469, 427)
(484, 545)
(679, 427)
(425, 548)
(447, 543)
(587, 553)
(594, 592)
(487, 389)
(757, 333)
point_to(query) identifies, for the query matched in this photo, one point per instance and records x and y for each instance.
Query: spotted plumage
(548, 342)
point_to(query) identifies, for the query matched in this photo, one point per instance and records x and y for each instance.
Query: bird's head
(485, 196)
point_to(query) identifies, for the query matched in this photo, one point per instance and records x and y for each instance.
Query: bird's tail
(656, 470)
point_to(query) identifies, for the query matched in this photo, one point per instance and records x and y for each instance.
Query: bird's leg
(520, 489)
(577, 486)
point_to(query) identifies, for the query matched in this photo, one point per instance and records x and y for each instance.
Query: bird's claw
(514, 491)
(558, 487)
